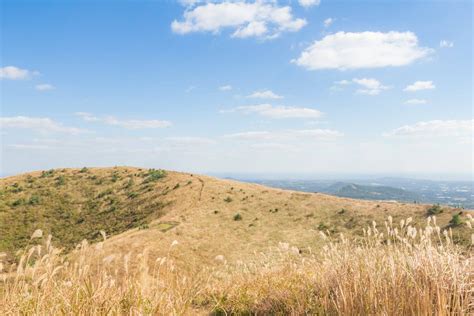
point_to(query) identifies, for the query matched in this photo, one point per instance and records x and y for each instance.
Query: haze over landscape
(236, 157)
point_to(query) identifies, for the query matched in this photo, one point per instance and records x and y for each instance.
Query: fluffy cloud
(446, 44)
(44, 87)
(15, 73)
(128, 124)
(309, 3)
(279, 112)
(436, 128)
(420, 85)
(41, 124)
(225, 88)
(265, 94)
(328, 22)
(368, 86)
(287, 135)
(246, 19)
(362, 50)
(416, 101)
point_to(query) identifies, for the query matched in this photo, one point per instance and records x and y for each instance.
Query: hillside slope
(209, 217)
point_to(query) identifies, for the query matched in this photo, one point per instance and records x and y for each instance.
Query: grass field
(187, 244)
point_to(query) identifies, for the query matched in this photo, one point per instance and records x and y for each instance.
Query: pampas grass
(395, 269)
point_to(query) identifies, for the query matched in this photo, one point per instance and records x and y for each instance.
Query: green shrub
(434, 210)
(456, 220)
(129, 184)
(155, 175)
(228, 199)
(61, 180)
(104, 193)
(45, 174)
(143, 226)
(18, 202)
(237, 217)
(115, 176)
(322, 226)
(34, 200)
(84, 170)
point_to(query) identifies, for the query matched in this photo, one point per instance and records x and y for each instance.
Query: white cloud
(41, 124)
(28, 146)
(446, 44)
(190, 140)
(435, 128)
(371, 86)
(225, 88)
(279, 112)
(128, 124)
(309, 3)
(362, 50)
(420, 85)
(265, 94)
(15, 73)
(343, 82)
(189, 3)
(287, 135)
(416, 101)
(246, 19)
(328, 22)
(44, 87)
(136, 124)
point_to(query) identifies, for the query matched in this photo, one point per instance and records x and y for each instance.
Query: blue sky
(307, 87)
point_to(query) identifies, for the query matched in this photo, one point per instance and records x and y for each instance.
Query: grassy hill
(151, 208)
(183, 244)
(371, 192)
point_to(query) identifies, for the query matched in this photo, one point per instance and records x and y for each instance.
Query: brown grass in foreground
(397, 270)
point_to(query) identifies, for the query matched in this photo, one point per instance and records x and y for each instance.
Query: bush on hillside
(434, 210)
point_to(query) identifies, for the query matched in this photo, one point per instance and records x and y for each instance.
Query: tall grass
(393, 270)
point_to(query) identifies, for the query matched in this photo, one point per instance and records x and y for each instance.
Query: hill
(147, 208)
(371, 192)
(170, 243)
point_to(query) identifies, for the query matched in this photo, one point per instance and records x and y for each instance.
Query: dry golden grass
(393, 270)
(204, 217)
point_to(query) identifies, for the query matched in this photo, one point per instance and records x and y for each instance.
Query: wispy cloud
(128, 124)
(435, 128)
(328, 22)
(346, 50)
(265, 94)
(416, 101)
(44, 87)
(420, 85)
(15, 73)
(309, 3)
(41, 124)
(287, 135)
(446, 44)
(225, 88)
(368, 86)
(278, 112)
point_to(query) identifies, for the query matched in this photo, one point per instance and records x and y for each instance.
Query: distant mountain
(371, 192)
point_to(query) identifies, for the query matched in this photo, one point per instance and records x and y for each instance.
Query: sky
(301, 87)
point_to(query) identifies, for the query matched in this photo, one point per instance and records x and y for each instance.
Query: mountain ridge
(147, 208)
